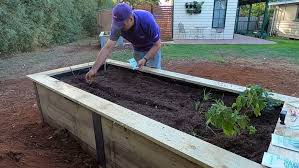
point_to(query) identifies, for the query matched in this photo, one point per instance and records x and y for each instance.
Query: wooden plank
(38, 100)
(62, 118)
(84, 125)
(124, 148)
(65, 69)
(51, 113)
(43, 98)
(291, 155)
(63, 104)
(284, 130)
(180, 143)
(67, 114)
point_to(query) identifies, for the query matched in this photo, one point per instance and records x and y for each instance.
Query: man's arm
(153, 51)
(102, 56)
(150, 54)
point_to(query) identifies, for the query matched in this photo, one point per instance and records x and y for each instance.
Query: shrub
(27, 24)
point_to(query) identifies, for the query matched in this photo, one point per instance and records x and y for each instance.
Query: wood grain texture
(284, 130)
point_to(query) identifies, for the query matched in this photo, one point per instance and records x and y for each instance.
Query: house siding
(203, 20)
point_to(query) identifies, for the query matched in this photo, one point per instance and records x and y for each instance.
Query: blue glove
(133, 63)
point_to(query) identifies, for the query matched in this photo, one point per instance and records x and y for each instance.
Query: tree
(134, 3)
(102, 4)
(258, 9)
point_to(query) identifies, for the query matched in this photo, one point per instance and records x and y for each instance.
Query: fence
(162, 14)
(104, 20)
(243, 23)
(255, 24)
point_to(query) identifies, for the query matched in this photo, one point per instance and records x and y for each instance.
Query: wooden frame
(217, 27)
(127, 141)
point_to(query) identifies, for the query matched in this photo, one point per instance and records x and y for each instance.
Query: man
(138, 27)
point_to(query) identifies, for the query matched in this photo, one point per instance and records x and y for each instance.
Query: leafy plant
(272, 103)
(254, 99)
(251, 129)
(229, 120)
(29, 24)
(193, 7)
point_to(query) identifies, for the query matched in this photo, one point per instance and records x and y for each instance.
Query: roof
(281, 2)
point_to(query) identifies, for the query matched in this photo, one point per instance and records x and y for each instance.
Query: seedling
(229, 120)
(206, 96)
(73, 72)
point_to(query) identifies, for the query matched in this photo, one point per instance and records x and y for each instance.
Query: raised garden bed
(133, 140)
(172, 102)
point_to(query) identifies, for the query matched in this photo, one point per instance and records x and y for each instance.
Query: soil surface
(172, 103)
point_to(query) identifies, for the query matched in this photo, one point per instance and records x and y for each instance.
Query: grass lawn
(284, 49)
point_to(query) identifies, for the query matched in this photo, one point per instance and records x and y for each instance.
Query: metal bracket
(98, 132)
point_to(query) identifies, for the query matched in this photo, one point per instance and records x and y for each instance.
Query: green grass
(124, 55)
(284, 49)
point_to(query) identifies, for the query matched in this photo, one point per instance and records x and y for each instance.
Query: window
(219, 13)
(297, 15)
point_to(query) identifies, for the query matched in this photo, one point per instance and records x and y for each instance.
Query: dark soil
(172, 103)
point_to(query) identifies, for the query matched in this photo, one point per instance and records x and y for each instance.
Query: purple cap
(120, 13)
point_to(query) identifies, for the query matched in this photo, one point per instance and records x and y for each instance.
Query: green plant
(257, 10)
(29, 24)
(272, 103)
(251, 129)
(253, 99)
(230, 121)
(193, 7)
(206, 96)
(135, 3)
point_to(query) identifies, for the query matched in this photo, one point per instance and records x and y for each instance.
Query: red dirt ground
(26, 142)
(278, 77)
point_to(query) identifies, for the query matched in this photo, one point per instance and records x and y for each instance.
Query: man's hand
(102, 56)
(90, 76)
(141, 63)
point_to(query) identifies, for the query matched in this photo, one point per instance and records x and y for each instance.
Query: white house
(286, 18)
(215, 21)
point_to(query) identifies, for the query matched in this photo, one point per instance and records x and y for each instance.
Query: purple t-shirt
(144, 33)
